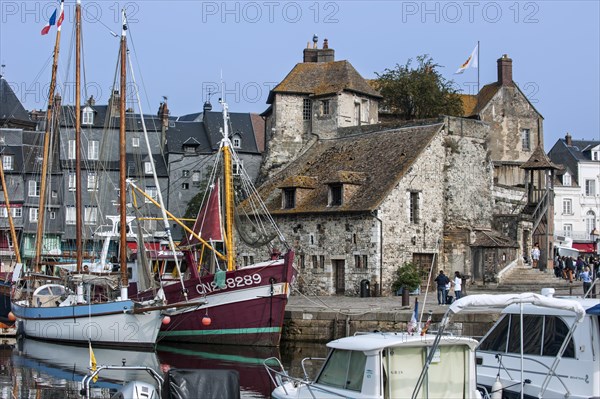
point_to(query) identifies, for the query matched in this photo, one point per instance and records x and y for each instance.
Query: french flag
(54, 21)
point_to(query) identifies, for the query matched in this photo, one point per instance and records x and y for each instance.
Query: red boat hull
(248, 311)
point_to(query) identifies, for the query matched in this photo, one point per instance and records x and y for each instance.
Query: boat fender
(206, 321)
(497, 389)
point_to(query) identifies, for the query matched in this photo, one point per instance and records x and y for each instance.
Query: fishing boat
(541, 347)
(79, 307)
(245, 304)
(385, 365)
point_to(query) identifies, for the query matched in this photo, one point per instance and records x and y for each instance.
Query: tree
(419, 92)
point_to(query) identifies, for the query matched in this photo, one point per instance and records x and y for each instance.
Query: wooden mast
(122, 162)
(78, 218)
(228, 186)
(46, 151)
(13, 233)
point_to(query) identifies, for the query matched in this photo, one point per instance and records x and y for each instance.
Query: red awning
(151, 246)
(587, 247)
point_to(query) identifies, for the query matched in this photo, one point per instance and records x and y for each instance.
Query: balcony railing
(576, 235)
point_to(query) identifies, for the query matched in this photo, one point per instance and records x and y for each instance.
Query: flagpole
(478, 65)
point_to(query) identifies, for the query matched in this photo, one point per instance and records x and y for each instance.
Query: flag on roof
(470, 62)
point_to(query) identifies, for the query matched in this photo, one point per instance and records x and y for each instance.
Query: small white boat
(556, 353)
(386, 365)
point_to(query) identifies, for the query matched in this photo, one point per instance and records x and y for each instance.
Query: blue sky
(183, 47)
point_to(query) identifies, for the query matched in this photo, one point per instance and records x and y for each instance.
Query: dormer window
(289, 198)
(596, 155)
(567, 179)
(189, 149)
(336, 194)
(237, 142)
(87, 116)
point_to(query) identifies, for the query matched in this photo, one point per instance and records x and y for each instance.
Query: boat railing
(305, 361)
(280, 378)
(88, 379)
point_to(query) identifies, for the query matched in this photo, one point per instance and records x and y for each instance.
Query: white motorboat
(387, 365)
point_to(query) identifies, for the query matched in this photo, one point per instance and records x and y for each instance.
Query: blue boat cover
(594, 310)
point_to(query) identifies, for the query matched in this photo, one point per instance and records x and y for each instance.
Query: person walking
(535, 255)
(441, 281)
(570, 268)
(457, 285)
(587, 279)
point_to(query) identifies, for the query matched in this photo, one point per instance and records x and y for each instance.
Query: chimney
(163, 113)
(91, 101)
(568, 139)
(114, 104)
(315, 54)
(505, 71)
(207, 107)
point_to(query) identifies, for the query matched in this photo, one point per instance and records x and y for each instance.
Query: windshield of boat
(343, 369)
(543, 335)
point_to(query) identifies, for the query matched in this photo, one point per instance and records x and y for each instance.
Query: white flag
(470, 62)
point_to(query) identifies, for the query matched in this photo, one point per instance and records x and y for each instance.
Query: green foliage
(418, 92)
(407, 277)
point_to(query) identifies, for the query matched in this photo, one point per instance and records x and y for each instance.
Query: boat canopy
(502, 301)
(595, 310)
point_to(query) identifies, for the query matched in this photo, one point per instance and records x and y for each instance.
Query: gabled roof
(539, 160)
(11, 108)
(323, 78)
(395, 149)
(485, 95)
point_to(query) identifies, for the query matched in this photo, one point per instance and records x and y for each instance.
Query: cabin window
(566, 179)
(72, 150)
(325, 107)
(335, 194)
(289, 198)
(344, 369)
(307, 109)
(525, 139)
(543, 335)
(91, 181)
(93, 150)
(87, 116)
(34, 188)
(135, 141)
(8, 162)
(72, 181)
(90, 215)
(70, 214)
(590, 188)
(414, 207)
(567, 206)
(33, 215)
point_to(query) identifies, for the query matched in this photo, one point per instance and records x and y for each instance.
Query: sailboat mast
(46, 150)
(228, 185)
(13, 233)
(122, 162)
(78, 218)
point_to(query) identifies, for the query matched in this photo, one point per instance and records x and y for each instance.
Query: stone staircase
(523, 278)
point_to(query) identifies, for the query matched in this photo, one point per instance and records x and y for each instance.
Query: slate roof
(11, 108)
(134, 122)
(323, 78)
(350, 159)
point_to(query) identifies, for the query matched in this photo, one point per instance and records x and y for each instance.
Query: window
(289, 198)
(90, 215)
(237, 167)
(33, 215)
(196, 177)
(152, 193)
(414, 207)
(93, 150)
(34, 188)
(70, 214)
(87, 117)
(590, 188)
(185, 173)
(301, 261)
(185, 186)
(189, 149)
(307, 109)
(91, 182)
(16, 212)
(335, 194)
(72, 181)
(52, 215)
(315, 262)
(357, 261)
(590, 221)
(568, 230)
(566, 179)
(567, 206)
(54, 194)
(525, 139)
(237, 142)
(365, 263)
(7, 162)
(322, 261)
(337, 372)
(148, 168)
(135, 141)
(325, 107)
(72, 151)
(596, 155)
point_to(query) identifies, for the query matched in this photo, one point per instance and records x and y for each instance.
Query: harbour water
(34, 369)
